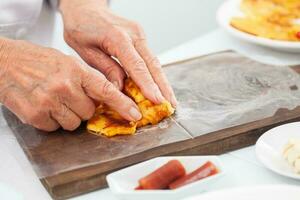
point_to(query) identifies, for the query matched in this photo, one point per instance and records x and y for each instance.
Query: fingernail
(174, 101)
(159, 96)
(135, 114)
(116, 83)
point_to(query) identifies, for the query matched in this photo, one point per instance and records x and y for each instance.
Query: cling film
(215, 92)
(227, 89)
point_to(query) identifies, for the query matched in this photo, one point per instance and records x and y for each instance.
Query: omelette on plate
(273, 19)
(109, 123)
(291, 152)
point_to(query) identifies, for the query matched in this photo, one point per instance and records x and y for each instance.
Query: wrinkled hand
(48, 89)
(98, 35)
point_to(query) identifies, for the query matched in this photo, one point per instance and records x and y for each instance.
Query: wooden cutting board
(213, 117)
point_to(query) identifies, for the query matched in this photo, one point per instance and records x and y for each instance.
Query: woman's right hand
(48, 89)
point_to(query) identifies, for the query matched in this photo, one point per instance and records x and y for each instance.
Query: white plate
(274, 192)
(231, 8)
(270, 145)
(123, 182)
(9, 192)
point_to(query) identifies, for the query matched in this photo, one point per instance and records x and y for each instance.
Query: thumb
(100, 89)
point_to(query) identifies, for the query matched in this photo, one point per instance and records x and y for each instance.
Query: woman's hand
(48, 89)
(98, 35)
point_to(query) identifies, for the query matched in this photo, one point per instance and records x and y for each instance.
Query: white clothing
(17, 17)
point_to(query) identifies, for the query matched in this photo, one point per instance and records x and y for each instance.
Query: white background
(168, 23)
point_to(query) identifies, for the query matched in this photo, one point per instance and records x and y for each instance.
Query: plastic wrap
(226, 89)
(214, 92)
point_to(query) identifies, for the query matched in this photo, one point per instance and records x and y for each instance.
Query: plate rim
(266, 164)
(244, 188)
(276, 44)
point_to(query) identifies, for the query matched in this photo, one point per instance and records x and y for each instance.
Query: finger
(45, 122)
(107, 65)
(100, 89)
(135, 66)
(65, 117)
(156, 71)
(28, 114)
(78, 102)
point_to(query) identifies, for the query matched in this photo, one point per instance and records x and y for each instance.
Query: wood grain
(72, 163)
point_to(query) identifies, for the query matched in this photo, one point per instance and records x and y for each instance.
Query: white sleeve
(17, 16)
(54, 3)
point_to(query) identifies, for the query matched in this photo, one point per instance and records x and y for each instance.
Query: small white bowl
(123, 182)
(274, 192)
(231, 8)
(269, 148)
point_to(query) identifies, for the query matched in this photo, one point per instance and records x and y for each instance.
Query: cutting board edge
(264, 124)
(225, 144)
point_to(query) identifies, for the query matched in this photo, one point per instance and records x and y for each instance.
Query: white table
(18, 180)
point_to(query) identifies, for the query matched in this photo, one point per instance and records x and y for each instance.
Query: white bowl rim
(178, 190)
(245, 188)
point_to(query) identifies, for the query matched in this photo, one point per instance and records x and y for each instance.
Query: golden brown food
(273, 19)
(109, 123)
(152, 114)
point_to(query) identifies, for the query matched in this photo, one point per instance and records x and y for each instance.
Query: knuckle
(137, 29)
(139, 67)
(155, 62)
(108, 90)
(34, 117)
(61, 87)
(45, 101)
(72, 125)
(115, 34)
(138, 64)
(47, 128)
(89, 113)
